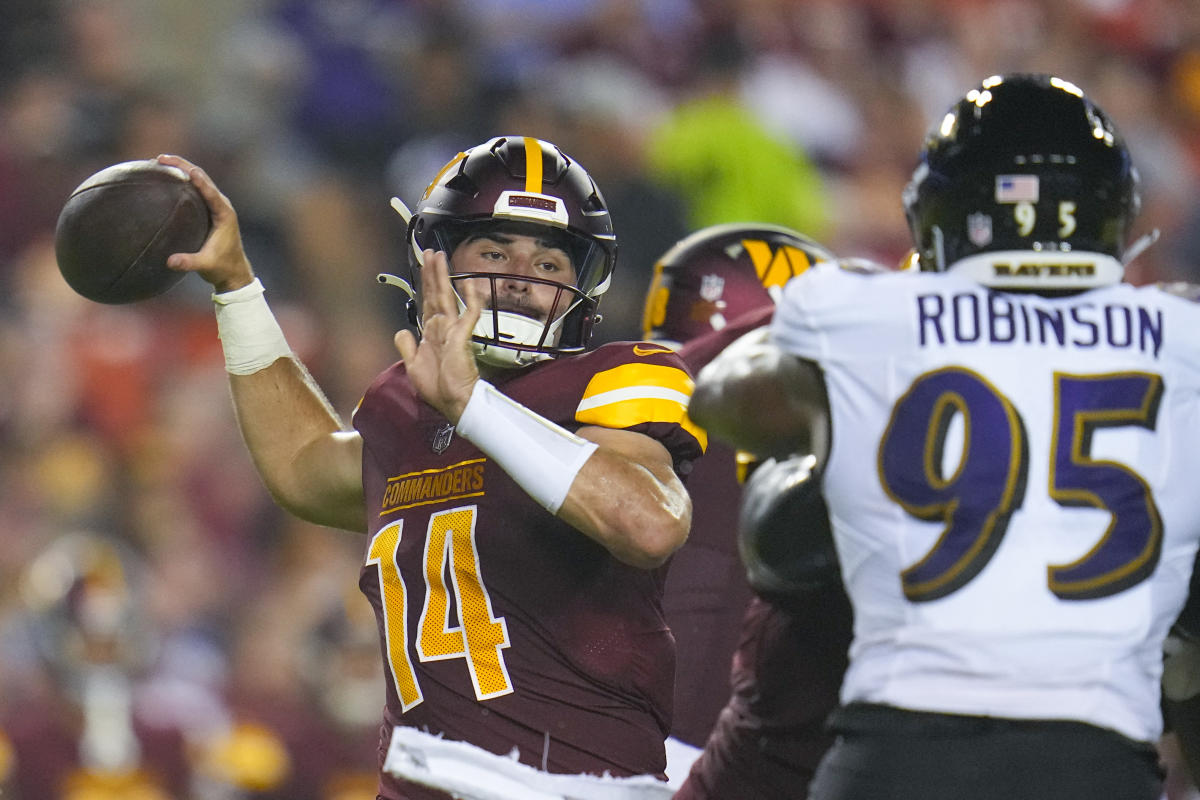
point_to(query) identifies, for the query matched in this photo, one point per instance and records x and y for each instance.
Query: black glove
(784, 536)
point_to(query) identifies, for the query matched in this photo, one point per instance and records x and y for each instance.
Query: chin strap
(410, 304)
(1141, 245)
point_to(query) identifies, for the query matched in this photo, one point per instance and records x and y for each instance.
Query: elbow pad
(784, 536)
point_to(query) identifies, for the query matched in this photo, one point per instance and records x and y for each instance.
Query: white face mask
(515, 329)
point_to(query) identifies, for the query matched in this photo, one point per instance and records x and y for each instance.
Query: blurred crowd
(165, 631)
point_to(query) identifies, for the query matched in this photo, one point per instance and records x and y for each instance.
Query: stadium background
(133, 530)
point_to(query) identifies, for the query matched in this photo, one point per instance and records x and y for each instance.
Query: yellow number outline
(475, 634)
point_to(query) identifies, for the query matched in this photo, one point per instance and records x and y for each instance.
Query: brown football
(118, 227)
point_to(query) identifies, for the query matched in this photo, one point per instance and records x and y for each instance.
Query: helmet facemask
(527, 187)
(507, 335)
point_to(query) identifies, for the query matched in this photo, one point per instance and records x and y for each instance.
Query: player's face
(515, 256)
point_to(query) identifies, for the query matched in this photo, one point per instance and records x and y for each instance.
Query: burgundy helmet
(524, 184)
(719, 273)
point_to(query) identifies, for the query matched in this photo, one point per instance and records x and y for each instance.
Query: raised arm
(308, 460)
(617, 487)
(761, 399)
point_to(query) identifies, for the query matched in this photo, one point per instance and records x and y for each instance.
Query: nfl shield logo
(979, 229)
(712, 287)
(442, 437)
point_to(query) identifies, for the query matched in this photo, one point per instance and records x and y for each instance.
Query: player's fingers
(218, 204)
(182, 262)
(469, 317)
(435, 273)
(406, 344)
(175, 161)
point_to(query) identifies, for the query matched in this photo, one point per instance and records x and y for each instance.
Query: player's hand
(442, 365)
(221, 260)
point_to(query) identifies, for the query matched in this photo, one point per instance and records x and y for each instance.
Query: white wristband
(250, 335)
(543, 458)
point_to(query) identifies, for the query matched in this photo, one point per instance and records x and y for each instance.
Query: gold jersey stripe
(632, 376)
(634, 411)
(632, 394)
(533, 165)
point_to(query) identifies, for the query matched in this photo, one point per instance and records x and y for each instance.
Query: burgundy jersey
(502, 625)
(41, 756)
(786, 675)
(707, 592)
(788, 654)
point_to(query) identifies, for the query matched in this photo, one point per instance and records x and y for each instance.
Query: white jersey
(1014, 488)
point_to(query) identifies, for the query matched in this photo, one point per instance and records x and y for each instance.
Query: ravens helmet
(518, 184)
(1025, 183)
(718, 273)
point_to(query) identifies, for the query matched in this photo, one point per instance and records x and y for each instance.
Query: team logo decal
(442, 437)
(639, 350)
(979, 229)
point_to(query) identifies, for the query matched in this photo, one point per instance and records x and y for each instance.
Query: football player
(1180, 747)
(782, 649)
(79, 722)
(1006, 440)
(520, 494)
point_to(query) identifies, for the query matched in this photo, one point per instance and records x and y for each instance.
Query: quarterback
(520, 494)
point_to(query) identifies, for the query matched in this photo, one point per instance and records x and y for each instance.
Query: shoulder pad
(1188, 291)
(862, 266)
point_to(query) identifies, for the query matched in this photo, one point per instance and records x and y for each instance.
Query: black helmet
(720, 272)
(520, 182)
(1025, 184)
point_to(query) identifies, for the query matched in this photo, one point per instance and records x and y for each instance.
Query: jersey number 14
(478, 637)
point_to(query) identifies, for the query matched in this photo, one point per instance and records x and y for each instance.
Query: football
(117, 228)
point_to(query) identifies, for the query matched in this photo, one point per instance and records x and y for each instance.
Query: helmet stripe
(533, 165)
(437, 178)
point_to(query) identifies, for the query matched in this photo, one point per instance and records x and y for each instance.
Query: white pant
(471, 773)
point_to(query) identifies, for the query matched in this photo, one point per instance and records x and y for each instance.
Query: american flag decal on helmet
(1017, 188)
